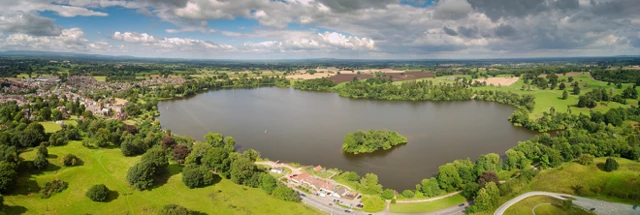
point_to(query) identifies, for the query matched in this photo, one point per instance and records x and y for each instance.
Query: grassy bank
(543, 205)
(421, 207)
(109, 167)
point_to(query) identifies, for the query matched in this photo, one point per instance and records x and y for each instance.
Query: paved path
(601, 207)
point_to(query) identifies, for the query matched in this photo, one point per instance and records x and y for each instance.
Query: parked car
(302, 195)
(359, 197)
(347, 211)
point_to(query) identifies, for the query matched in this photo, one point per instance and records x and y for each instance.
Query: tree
(448, 177)
(8, 176)
(70, 160)
(173, 209)
(430, 187)
(576, 90)
(45, 113)
(141, 175)
(351, 176)
(470, 190)
(180, 153)
(487, 198)
(268, 183)
(465, 170)
(515, 160)
(157, 157)
(168, 142)
(241, 170)
(610, 165)
(373, 203)
(387, 194)
(488, 176)
(488, 162)
(585, 159)
(408, 194)
(41, 162)
(570, 79)
(229, 144)
(565, 95)
(215, 139)
(98, 193)
(562, 86)
(57, 115)
(218, 160)
(197, 176)
(369, 184)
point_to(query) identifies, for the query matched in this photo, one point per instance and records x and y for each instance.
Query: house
(324, 187)
(60, 122)
(277, 170)
(317, 168)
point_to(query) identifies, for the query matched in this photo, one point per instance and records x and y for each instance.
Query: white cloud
(69, 40)
(168, 44)
(348, 42)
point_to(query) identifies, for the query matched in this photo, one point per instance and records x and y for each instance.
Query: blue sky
(376, 29)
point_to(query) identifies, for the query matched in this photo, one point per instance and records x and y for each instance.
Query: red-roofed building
(318, 168)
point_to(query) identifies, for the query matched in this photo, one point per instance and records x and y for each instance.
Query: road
(601, 207)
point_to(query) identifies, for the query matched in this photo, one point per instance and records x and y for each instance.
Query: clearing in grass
(51, 127)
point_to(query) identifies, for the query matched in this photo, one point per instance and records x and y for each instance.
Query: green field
(595, 182)
(51, 127)
(427, 206)
(109, 167)
(100, 78)
(545, 99)
(545, 205)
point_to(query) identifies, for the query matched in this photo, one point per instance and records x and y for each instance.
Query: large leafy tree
(448, 177)
(141, 175)
(241, 170)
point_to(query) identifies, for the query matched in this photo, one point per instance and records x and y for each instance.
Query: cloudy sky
(365, 29)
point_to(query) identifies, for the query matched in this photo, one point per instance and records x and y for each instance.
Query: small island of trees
(371, 140)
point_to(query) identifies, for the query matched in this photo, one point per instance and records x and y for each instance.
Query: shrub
(8, 176)
(585, 159)
(71, 160)
(408, 194)
(173, 209)
(98, 193)
(53, 187)
(180, 153)
(373, 204)
(610, 165)
(387, 194)
(286, 193)
(40, 162)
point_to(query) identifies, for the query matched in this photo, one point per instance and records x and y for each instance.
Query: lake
(308, 127)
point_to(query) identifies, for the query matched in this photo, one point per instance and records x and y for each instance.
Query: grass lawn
(100, 78)
(595, 182)
(427, 206)
(525, 206)
(545, 99)
(109, 167)
(51, 127)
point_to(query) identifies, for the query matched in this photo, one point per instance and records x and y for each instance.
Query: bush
(173, 209)
(286, 193)
(53, 187)
(408, 194)
(373, 204)
(8, 176)
(70, 160)
(610, 165)
(196, 176)
(98, 193)
(585, 159)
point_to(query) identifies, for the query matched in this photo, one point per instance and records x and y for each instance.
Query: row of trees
(319, 84)
(371, 140)
(411, 91)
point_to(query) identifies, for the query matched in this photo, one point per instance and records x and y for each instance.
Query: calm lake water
(308, 127)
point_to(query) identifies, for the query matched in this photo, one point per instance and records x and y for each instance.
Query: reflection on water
(308, 127)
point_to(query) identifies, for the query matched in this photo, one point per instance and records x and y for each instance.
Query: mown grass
(525, 207)
(51, 127)
(427, 206)
(109, 167)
